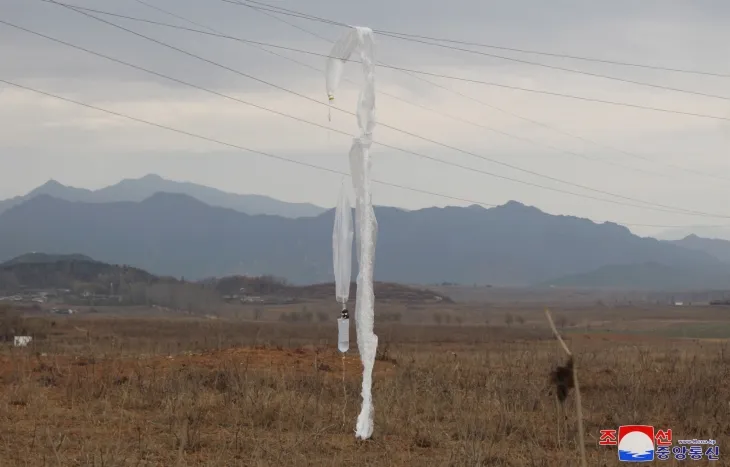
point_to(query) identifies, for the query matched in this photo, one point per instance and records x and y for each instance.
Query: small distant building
(252, 300)
(678, 303)
(59, 311)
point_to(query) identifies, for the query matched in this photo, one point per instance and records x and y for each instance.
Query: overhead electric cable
(436, 75)
(568, 56)
(665, 207)
(491, 106)
(231, 145)
(424, 39)
(569, 70)
(269, 155)
(285, 11)
(393, 96)
(414, 75)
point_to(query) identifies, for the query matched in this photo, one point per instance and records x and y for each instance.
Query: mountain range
(651, 276)
(141, 188)
(716, 247)
(707, 231)
(180, 235)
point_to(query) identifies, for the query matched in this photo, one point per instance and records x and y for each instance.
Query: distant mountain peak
(140, 189)
(716, 247)
(519, 208)
(50, 185)
(512, 204)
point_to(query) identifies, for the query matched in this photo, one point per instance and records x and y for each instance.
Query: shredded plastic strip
(361, 39)
(342, 236)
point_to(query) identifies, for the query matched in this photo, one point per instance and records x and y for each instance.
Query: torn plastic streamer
(367, 228)
(360, 39)
(342, 236)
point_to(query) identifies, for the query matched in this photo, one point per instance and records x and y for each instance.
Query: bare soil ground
(111, 390)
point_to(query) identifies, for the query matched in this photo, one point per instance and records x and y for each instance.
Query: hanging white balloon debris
(360, 39)
(342, 261)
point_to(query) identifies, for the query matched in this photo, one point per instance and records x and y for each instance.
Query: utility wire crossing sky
(626, 184)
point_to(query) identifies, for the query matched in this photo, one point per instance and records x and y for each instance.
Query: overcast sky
(42, 138)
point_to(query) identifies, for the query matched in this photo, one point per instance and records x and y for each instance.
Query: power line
(490, 106)
(412, 74)
(572, 135)
(562, 55)
(665, 207)
(668, 208)
(419, 39)
(306, 31)
(452, 117)
(436, 75)
(285, 11)
(559, 68)
(297, 14)
(235, 146)
(274, 156)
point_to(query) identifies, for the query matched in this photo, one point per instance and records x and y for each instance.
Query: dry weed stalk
(344, 393)
(570, 367)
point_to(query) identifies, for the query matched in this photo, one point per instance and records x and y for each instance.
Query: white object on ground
(360, 39)
(21, 341)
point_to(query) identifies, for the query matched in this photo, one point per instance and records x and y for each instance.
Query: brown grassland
(104, 389)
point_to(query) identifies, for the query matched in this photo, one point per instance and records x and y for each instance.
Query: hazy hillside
(649, 276)
(711, 232)
(142, 188)
(165, 234)
(720, 249)
(268, 285)
(37, 271)
(35, 258)
(178, 235)
(40, 270)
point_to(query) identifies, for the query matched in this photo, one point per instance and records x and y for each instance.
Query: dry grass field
(106, 390)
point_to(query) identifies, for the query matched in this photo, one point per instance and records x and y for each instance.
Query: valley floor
(111, 390)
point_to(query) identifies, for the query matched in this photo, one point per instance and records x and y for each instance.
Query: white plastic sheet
(360, 39)
(339, 54)
(367, 341)
(342, 235)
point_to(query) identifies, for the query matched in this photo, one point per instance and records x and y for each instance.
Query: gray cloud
(47, 139)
